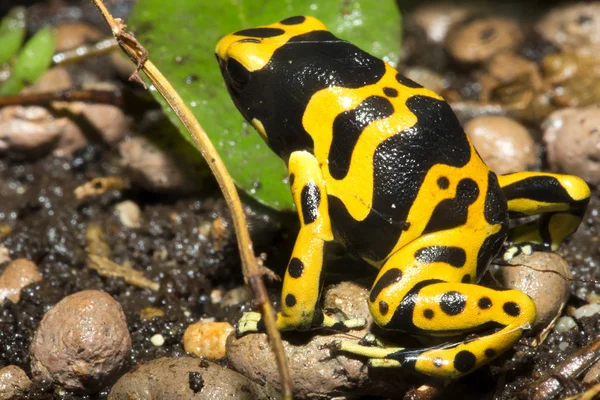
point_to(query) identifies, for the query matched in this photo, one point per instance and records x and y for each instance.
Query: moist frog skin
(381, 165)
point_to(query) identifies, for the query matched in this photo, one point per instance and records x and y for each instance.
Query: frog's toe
(250, 322)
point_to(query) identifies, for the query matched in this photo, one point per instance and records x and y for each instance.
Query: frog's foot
(326, 321)
(250, 322)
(372, 350)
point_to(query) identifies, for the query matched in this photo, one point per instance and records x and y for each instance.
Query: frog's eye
(239, 75)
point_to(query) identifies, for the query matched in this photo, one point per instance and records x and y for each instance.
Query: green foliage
(32, 61)
(181, 37)
(12, 33)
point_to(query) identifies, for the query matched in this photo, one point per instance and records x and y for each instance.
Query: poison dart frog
(381, 165)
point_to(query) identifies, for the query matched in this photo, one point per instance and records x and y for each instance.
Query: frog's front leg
(301, 282)
(560, 199)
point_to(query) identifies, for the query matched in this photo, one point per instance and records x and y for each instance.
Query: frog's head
(265, 71)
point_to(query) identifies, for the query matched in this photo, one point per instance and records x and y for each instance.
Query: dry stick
(250, 267)
(113, 97)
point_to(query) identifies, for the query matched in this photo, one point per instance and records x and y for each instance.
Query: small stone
(14, 382)
(27, 131)
(151, 312)
(436, 19)
(4, 255)
(508, 66)
(82, 343)
(573, 27)
(53, 80)
(18, 274)
(152, 168)
(572, 137)
(504, 144)
(587, 311)
(425, 77)
(207, 339)
(235, 296)
(129, 214)
(187, 378)
(317, 372)
(532, 275)
(478, 40)
(70, 35)
(564, 324)
(157, 340)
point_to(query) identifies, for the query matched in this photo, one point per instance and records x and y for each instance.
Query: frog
(382, 166)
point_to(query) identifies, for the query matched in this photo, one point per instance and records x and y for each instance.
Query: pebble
(4, 255)
(207, 339)
(14, 382)
(82, 343)
(573, 27)
(587, 311)
(27, 131)
(478, 40)
(544, 277)
(70, 35)
(17, 274)
(152, 168)
(235, 296)
(504, 144)
(129, 214)
(572, 138)
(187, 378)
(564, 324)
(53, 80)
(436, 19)
(316, 372)
(157, 340)
(507, 66)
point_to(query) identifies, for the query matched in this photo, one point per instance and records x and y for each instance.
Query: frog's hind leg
(424, 288)
(560, 199)
(301, 283)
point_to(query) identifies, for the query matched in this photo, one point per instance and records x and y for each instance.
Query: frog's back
(392, 153)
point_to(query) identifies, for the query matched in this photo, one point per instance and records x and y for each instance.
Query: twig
(250, 268)
(113, 97)
(84, 51)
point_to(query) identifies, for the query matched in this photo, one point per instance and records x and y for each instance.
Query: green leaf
(181, 37)
(12, 33)
(33, 60)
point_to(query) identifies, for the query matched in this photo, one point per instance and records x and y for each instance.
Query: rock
(27, 131)
(508, 66)
(207, 339)
(70, 35)
(316, 372)
(572, 138)
(573, 27)
(503, 143)
(235, 296)
(478, 40)
(18, 274)
(152, 168)
(545, 278)
(426, 77)
(82, 343)
(129, 214)
(436, 19)
(14, 382)
(187, 378)
(53, 80)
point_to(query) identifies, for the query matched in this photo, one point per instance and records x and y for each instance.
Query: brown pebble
(478, 40)
(53, 80)
(508, 66)
(70, 35)
(187, 378)
(437, 18)
(504, 144)
(317, 372)
(573, 27)
(27, 131)
(129, 214)
(82, 343)
(235, 296)
(18, 274)
(14, 382)
(545, 278)
(572, 138)
(152, 168)
(207, 339)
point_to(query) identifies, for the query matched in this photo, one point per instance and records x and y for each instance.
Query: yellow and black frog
(381, 165)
